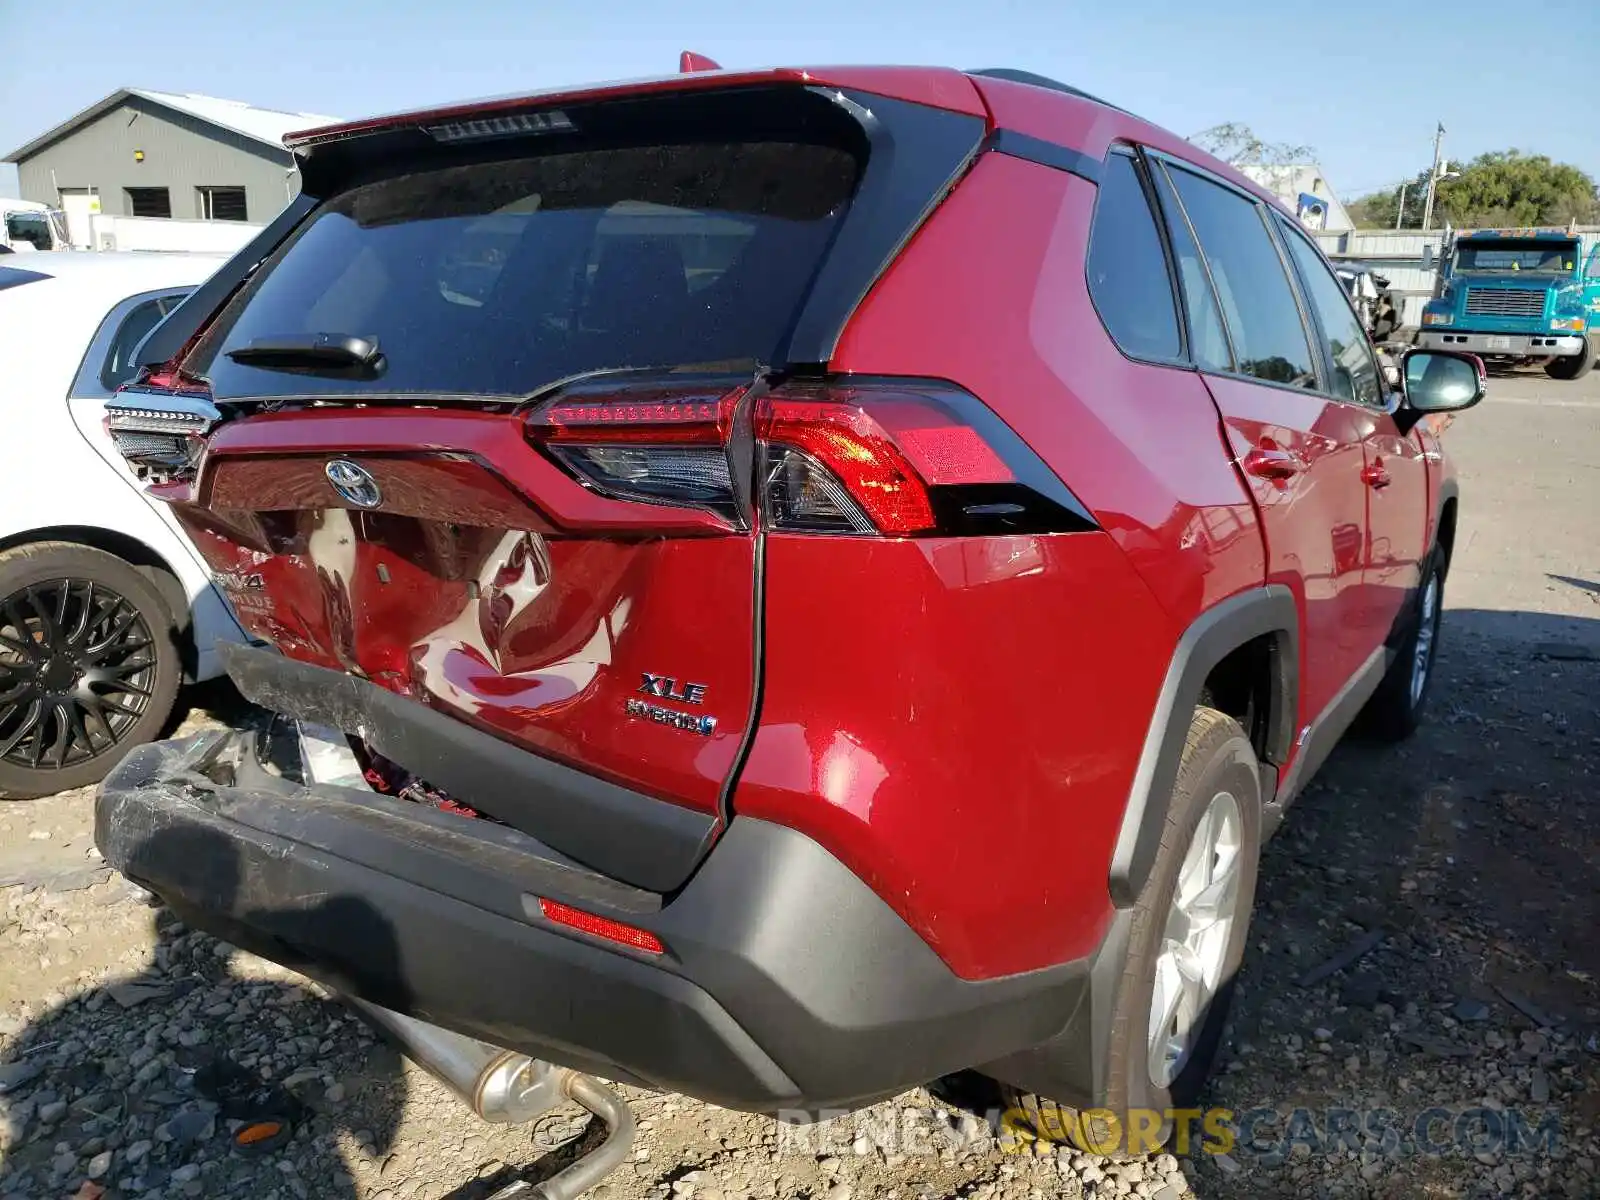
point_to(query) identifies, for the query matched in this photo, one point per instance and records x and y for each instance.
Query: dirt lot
(1457, 1055)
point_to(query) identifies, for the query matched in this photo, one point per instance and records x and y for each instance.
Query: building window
(222, 203)
(148, 202)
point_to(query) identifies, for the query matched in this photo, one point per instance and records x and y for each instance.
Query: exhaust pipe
(505, 1087)
(500, 1085)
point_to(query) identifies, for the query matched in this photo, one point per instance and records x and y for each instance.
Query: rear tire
(1573, 366)
(1213, 833)
(1396, 709)
(89, 666)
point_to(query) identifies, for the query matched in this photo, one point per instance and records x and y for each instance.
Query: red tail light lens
(601, 927)
(863, 456)
(665, 417)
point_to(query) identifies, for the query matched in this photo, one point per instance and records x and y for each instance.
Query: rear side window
(1269, 337)
(1208, 340)
(118, 366)
(11, 277)
(500, 277)
(1128, 277)
(109, 362)
(1355, 373)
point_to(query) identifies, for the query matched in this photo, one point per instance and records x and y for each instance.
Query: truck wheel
(89, 666)
(1395, 710)
(1190, 926)
(1573, 366)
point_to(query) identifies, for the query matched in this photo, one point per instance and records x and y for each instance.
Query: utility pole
(1433, 179)
(1400, 216)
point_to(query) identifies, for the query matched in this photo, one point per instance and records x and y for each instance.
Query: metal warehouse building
(156, 154)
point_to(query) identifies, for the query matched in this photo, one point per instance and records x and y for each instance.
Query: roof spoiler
(690, 61)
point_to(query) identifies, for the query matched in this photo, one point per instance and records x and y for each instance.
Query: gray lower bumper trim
(1540, 345)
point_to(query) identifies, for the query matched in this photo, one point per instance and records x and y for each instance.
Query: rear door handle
(1272, 462)
(1375, 476)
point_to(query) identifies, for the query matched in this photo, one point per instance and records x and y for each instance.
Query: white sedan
(104, 605)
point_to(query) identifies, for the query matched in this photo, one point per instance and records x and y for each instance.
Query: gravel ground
(1424, 940)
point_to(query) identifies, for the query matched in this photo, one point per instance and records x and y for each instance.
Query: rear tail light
(860, 458)
(159, 424)
(655, 445)
(868, 457)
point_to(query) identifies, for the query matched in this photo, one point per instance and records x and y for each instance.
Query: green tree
(1507, 187)
(1503, 187)
(1379, 210)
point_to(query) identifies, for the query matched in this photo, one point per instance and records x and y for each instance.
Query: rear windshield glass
(498, 278)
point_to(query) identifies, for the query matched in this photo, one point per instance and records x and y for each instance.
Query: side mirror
(1437, 381)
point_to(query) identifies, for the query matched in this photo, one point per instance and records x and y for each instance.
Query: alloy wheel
(77, 670)
(1427, 629)
(1194, 943)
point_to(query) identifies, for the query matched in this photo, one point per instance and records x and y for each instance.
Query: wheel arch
(1262, 622)
(1444, 530)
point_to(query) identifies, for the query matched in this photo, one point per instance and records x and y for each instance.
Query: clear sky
(1362, 82)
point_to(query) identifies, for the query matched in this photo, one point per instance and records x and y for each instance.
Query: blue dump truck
(1519, 296)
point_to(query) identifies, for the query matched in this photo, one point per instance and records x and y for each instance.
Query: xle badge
(667, 688)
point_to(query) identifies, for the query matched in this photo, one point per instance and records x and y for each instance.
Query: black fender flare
(1259, 611)
(1449, 490)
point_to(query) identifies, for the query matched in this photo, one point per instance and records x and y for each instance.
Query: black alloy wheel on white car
(89, 666)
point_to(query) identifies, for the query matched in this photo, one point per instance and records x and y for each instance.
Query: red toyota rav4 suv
(808, 580)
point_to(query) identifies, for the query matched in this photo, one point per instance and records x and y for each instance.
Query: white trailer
(108, 232)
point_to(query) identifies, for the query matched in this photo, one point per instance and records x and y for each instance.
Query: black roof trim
(1045, 153)
(1043, 81)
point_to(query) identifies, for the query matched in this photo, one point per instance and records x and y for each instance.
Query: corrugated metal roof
(266, 125)
(263, 124)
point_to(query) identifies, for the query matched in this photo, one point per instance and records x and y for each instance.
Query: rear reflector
(601, 927)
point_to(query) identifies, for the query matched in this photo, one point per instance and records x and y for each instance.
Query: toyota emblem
(354, 482)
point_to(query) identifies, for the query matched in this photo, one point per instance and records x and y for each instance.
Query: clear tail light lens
(653, 444)
(696, 476)
(159, 426)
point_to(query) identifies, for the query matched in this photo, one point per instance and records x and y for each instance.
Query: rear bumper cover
(786, 982)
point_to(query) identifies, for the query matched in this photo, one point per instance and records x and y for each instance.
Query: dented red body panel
(463, 594)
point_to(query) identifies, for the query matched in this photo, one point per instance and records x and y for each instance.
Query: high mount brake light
(869, 457)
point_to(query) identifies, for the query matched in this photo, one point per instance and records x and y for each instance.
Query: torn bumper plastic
(784, 983)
